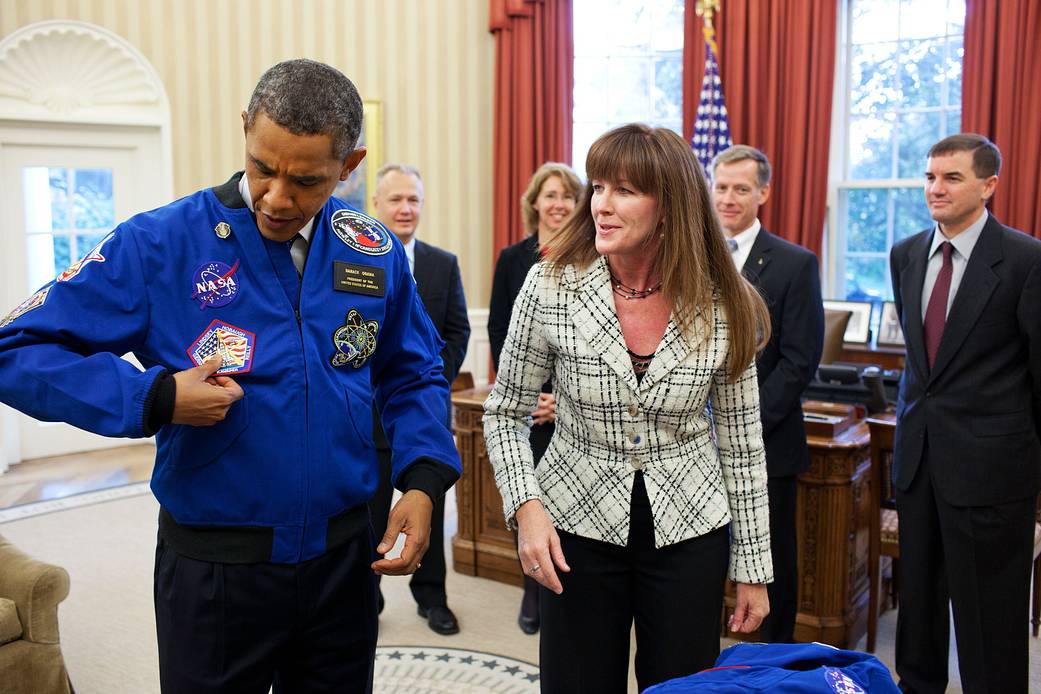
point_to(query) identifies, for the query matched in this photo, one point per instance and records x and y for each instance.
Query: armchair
(30, 653)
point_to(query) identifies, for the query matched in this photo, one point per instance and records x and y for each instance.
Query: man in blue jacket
(268, 317)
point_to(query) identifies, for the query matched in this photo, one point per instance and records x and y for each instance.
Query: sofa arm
(36, 589)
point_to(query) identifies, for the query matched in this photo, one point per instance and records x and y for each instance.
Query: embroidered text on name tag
(358, 279)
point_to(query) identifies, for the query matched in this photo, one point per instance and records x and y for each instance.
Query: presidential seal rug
(40, 508)
(433, 669)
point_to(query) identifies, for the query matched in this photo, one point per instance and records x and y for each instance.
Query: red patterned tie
(936, 311)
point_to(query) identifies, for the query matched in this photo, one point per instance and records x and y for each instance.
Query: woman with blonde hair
(545, 206)
(638, 511)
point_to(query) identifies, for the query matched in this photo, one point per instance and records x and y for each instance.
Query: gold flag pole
(705, 9)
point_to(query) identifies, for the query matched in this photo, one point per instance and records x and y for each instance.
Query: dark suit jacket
(510, 271)
(978, 411)
(440, 286)
(787, 277)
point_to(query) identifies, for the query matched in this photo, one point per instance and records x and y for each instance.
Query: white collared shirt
(962, 246)
(410, 251)
(745, 240)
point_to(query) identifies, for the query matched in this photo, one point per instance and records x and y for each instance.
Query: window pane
(664, 21)
(910, 214)
(956, 17)
(954, 122)
(918, 132)
(873, 20)
(629, 98)
(866, 279)
(873, 77)
(871, 147)
(918, 18)
(866, 212)
(583, 136)
(590, 87)
(956, 52)
(94, 206)
(62, 255)
(59, 198)
(922, 69)
(668, 88)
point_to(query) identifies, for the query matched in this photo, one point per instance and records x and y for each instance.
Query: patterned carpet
(433, 669)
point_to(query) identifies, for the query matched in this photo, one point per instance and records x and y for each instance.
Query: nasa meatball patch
(214, 284)
(234, 345)
(361, 232)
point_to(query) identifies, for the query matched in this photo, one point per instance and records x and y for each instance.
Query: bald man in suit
(398, 203)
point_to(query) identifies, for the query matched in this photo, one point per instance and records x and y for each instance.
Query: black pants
(428, 581)
(674, 594)
(308, 627)
(978, 558)
(779, 625)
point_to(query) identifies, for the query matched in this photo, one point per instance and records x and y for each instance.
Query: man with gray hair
(269, 317)
(398, 203)
(787, 277)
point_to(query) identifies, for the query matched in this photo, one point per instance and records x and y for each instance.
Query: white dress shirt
(744, 241)
(962, 245)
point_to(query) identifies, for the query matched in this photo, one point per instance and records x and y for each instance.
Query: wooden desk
(482, 545)
(833, 525)
(834, 515)
(886, 357)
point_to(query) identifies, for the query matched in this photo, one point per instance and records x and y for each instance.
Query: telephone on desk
(861, 384)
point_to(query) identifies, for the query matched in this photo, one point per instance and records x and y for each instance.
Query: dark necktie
(936, 311)
(733, 245)
(298, 251)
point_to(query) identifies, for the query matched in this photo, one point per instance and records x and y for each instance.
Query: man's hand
(546, 411)
(203, 399)
(753, 604)
(411, 515)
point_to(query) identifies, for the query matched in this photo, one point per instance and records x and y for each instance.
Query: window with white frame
(900, 92)
(628, 68)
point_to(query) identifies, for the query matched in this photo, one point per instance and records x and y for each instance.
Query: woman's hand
(538, 545)
(753, 604)
(546, 411)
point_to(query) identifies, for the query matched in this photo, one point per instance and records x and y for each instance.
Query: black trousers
(308, 627)
(979, 558)
(428, 581)
(779, 625)
(674, 595)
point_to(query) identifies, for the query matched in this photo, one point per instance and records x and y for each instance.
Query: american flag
(711, 129)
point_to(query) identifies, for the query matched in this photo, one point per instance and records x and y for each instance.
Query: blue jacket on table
(178, 283)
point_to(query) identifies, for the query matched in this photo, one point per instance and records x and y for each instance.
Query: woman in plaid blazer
(655, 480)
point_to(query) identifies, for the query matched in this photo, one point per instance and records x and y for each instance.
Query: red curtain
(534, 78)
(1001, 100)
(777, 64)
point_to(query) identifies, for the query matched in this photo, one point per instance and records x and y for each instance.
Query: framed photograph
(889, 332)
(858, 330)
(358, 188)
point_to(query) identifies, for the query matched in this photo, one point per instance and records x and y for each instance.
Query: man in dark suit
(787, 277)
(967, 458)
(398, 202)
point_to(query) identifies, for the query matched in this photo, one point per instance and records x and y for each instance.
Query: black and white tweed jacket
(609, 425)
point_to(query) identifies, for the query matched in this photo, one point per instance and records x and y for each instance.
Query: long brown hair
(693, 260)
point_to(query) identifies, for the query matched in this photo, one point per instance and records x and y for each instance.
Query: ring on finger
(535, 569)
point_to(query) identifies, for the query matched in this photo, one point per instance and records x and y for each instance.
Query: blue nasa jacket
(293, 462)
(786, 668)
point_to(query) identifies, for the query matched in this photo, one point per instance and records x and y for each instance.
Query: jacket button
(633, 410)
(636, 464)
(635, 438)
